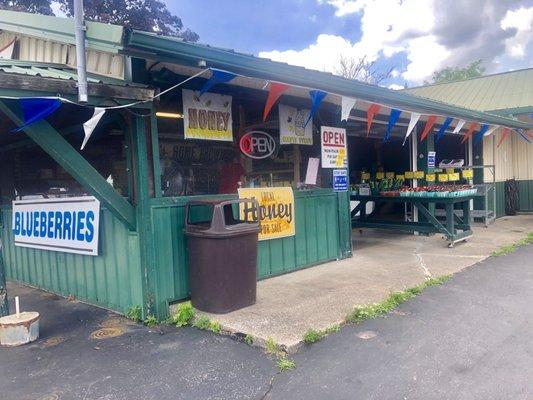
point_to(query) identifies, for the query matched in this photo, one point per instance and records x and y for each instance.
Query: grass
(272, 347)
(249, 340)
(184, 314)
(204, 323)
(285, 364)
(150, 321)
(511, 248)
(313, 336)
(372, 311)
(134, 313)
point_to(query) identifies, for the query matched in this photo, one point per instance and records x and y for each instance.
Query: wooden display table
(454, 229)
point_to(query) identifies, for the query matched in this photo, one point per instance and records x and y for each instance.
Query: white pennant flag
(414, 119)
(347, 103)
(88, 127)
(491, 130)
(459, 126)
(6, 52)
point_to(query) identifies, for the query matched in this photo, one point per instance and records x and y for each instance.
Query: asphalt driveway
(471, 338)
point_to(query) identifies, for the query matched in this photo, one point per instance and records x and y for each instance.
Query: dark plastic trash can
(222, 255)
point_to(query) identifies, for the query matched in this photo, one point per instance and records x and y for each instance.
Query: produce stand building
(143, 163)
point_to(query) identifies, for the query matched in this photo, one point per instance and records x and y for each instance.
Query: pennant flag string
(393, 118)
(275, 92)
(412, 123)
(471, 129)
(443, 128)
(491, 130)
(484, 128)
(429, 125)
(90, 125)
(522, 135)
(218, 76)
(316, 98)
(347, 103)
(36, 109)
(504, 135)
(459, 126)
(373, 109)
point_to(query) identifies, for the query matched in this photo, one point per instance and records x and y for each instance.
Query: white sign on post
(292, 128)
(68, 225)
(333, 142)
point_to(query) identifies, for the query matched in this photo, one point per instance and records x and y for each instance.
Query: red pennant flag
(429, 125)
(370, 113)
(275, 92)
(505, 133)
(470, 132)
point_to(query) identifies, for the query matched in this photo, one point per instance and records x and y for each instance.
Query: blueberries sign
(68, 225)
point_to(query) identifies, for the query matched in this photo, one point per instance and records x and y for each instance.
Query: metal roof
(58, 71)
(102, 37)
(499, 92)
(161, 48)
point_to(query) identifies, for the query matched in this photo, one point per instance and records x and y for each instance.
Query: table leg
(450, 222)
(466, 214)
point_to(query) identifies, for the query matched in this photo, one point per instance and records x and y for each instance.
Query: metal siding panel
(112, 279)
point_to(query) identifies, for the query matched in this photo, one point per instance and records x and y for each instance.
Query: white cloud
(522, 20)
(432, 34)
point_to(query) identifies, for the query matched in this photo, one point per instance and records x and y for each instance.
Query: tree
(450, 74)
(31, 6)
(145, 15)
(362, 70)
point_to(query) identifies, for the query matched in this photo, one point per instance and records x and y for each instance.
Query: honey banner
(276, 211)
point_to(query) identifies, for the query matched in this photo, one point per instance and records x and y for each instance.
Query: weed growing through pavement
(249, 340)
(134, 313)
(312, 336)
(283, 362)
(372, 311)
(150, 321)
(511, 248)
(184, 314)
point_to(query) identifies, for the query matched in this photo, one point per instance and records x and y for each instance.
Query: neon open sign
(257, 144)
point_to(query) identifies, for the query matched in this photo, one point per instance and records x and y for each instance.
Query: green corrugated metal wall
(111, 280)
(319, 238)
(525, 192)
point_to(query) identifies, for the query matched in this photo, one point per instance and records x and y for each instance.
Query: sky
(413, 37)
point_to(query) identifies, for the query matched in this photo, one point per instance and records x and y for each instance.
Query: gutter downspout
(81, 62)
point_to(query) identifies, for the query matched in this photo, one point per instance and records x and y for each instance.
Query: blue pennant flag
(393, 118)
(36, 109)
(218, 76)
(443, 128)
(316, 97)
(522, 135)
(481, 132)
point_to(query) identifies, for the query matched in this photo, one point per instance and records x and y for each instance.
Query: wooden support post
(4, 309)
(152, 304)
(55, 145)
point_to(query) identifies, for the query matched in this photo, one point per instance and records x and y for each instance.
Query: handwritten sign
(276, 211)
(380, 175)
(443, 177)
(430, 177)
(389, 175)
(420, 175)
(365, 176)
(468, 174)
(333, 142)
(409, 175)
(453, 177)
(207, 117)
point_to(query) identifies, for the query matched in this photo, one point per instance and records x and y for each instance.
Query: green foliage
(285, 364)
(183, 315)
(451, 74)
(134, 313)
(312, 336)
(202, 322)
(249, 340)
(511, 248)
(372, 311)
(150, 321)
(145, 15)
(215, 327)
(272, 347)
